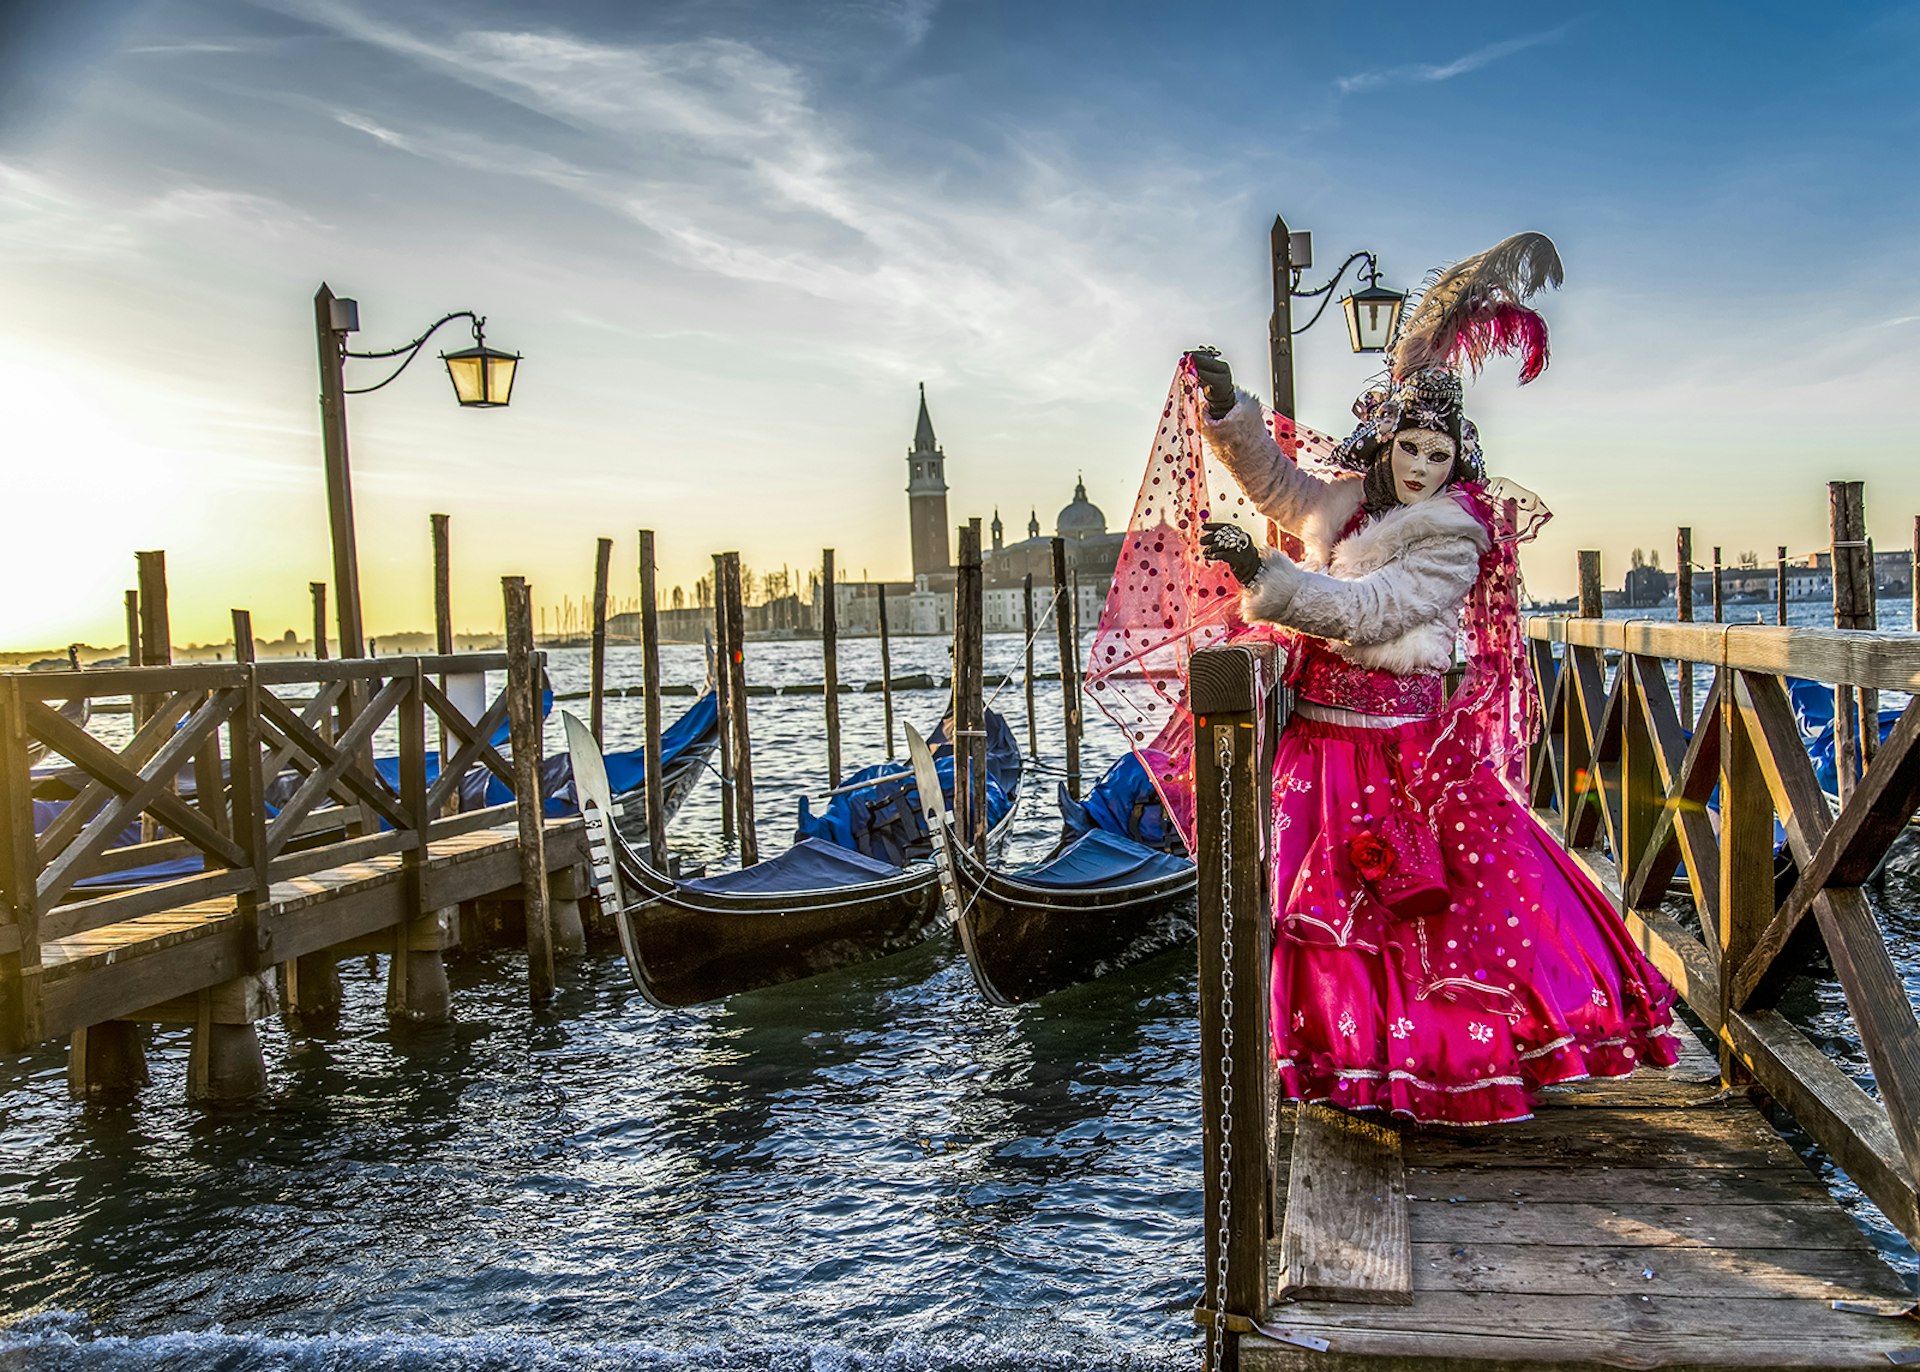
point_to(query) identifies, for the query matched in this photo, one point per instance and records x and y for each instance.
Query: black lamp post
(1373, 312)
(482, 379)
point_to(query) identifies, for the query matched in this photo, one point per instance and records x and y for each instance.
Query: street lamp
(482, 378)
(1373, 312)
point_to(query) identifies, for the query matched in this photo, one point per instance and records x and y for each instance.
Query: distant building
(927, 499)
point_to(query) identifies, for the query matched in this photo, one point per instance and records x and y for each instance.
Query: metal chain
(1216, 1338)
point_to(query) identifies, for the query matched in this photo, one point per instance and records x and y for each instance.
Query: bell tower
(927, 498)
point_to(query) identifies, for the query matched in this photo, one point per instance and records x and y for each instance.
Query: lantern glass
(1372, 316)
(482, 377)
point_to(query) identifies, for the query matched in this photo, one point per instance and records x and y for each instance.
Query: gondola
(818, 906)
(1102, 900)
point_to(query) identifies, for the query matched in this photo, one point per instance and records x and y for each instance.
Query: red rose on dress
(1372, 856)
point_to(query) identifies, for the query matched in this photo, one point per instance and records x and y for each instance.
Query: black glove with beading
(1231, 544)
(1216, 379)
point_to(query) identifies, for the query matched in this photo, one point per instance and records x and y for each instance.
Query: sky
(730, 236)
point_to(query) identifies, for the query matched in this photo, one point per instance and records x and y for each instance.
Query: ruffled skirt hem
(1502, 1099)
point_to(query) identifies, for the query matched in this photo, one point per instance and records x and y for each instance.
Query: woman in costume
(1436, 953)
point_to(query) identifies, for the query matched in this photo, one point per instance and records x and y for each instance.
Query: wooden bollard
(1228, 688)
(107, 1059)
(523, 714)
(1592, 598)
(656, 784)
(969, 716)
(1069, 665)
(1780, 587)
(1683, 611)
(723, 690)
(318, 589)
(736, 667)
(597, 680)
(886, 671)
(1026, 632)
(830, 664)
(224, 1065)
(1719, 588)
(442, 583)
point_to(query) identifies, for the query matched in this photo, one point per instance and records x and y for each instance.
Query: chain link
(1217, 1332)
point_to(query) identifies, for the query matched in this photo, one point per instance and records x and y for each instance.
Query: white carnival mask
(1422, 461)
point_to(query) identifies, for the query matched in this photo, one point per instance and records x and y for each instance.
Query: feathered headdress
(1476, 309)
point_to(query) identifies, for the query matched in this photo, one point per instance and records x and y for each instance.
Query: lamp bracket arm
(411, 350)
(1371, 272)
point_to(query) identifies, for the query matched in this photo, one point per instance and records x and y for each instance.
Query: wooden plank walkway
(1657, 1221)
(123, 968)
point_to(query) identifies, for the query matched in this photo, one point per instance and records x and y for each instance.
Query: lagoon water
(870, 1170)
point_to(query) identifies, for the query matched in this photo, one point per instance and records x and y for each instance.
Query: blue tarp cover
(626, 771)
(1122, 802)
(810, 865)
(1813, 709)
(1098, 859)
(883, 820)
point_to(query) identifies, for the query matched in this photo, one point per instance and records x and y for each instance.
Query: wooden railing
(224, 724)
(1618, 777)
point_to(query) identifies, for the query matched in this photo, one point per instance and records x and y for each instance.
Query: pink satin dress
(1436, 955)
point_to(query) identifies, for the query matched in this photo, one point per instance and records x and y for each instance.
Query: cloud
(725, 156)
(1417, 72)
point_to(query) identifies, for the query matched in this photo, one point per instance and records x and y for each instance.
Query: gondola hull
(1024, 942)
(683, 952)
(686, 946)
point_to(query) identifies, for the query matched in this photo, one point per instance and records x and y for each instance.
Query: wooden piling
(736, 666)
(1591, 596)
(1026, 632)
(969, 717)
(723, 691)
(1228, 688)
(156, 650)
(133, 614)
(1719, 589)
(1683, 611)
(318, 589)
(243, 636)
(1852, 609)
(597, 686)
(1069, 665)
(1913, 581)
(886, 671)
(523, 714)
(1780, 587)
(20, 1011)
(830, 660)
(650, 665)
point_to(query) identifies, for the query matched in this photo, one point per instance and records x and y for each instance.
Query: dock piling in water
(656, 784)
(830, 663)
(597, 665)
(735, 666)
(886, 671)
(1069, 664)
(523, 714)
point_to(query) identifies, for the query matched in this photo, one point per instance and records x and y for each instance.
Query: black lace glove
(1216, 379)
(1231, 544)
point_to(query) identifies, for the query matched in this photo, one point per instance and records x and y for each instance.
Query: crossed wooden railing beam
(240, 742)
(1630, 793)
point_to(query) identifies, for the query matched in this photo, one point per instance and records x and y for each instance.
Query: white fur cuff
(1243, 428)
(1271, 593)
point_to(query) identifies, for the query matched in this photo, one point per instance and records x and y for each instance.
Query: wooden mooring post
(1719, 589)
(523, 714)
(318, 590)
(133, 623)
(886, 671)
(1683, 611)
(830, 664)
(969, 717)
(1069, 664)
(723, 691)
(1229, 689)
(1851, 559)
(656, 784)
(1780, 587)
(736, 668)
(597, 683)
(1026, 632)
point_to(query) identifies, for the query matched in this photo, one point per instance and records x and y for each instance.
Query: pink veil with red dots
(1167, 602)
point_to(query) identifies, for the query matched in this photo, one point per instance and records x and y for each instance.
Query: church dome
(1081, 519)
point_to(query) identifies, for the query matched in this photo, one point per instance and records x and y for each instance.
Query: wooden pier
(1659, 1221)
(299, 853)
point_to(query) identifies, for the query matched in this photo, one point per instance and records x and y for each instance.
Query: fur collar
(1374, 544)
